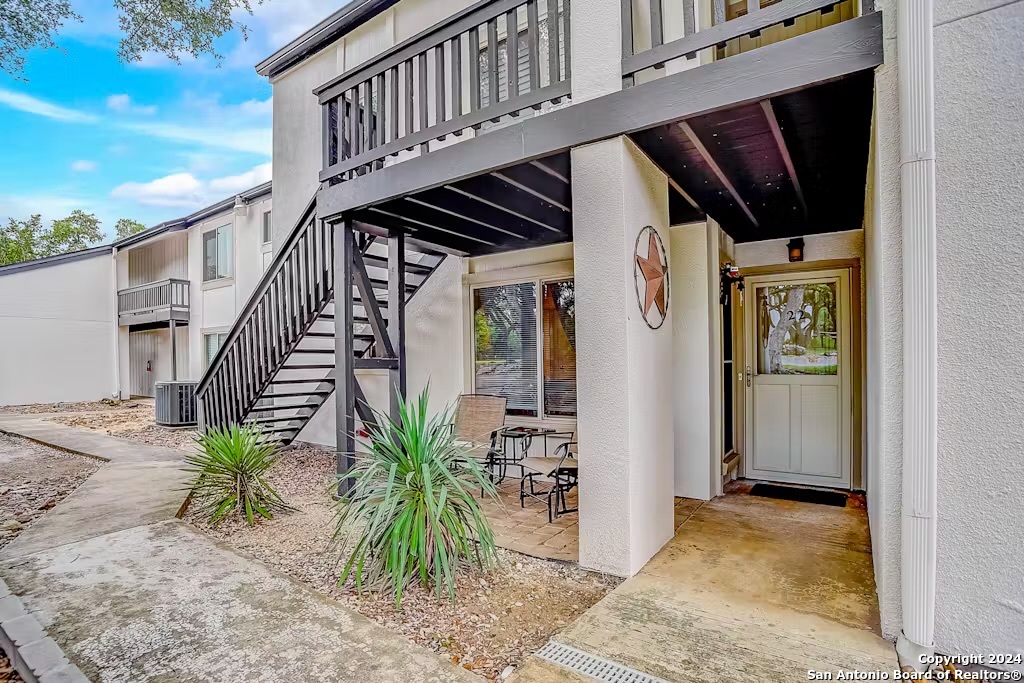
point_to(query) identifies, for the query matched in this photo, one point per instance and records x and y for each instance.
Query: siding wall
(161, 260)
(57, 333)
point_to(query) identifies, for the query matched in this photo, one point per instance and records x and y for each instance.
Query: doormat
(833, 498)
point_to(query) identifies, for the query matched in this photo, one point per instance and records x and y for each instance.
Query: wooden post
(344, 377)
(396, 319)
(174, 360)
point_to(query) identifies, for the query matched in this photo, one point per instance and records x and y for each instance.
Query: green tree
(19, 240)
(126, 227)
(74, 233)
(27, 240)
(169, 27)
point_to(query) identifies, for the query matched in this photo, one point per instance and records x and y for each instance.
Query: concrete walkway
(750, 589)
(133, 594)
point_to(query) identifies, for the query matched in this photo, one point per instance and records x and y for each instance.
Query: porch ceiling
(517, 207)
(790, 165)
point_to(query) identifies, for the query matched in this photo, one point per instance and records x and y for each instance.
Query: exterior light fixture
(796, 249)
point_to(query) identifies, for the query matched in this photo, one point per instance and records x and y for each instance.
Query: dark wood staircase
(278, 364)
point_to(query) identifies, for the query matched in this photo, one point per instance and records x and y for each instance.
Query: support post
(344, 377)
(174, 354)
(396, 320)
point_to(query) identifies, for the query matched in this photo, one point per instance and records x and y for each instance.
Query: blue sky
(147, 141)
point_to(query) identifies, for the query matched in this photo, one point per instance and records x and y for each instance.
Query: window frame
(231, 255)
(267, 236)
(215, 331)
(537, 275)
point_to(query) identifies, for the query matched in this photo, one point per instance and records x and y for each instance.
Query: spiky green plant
(410, 512)
(229, 470)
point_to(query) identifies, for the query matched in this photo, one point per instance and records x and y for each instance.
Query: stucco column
(623, 367)
(596, 28)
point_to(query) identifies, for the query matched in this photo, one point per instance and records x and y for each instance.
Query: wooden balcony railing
(672, 30)
(449, 78)
(154, 302)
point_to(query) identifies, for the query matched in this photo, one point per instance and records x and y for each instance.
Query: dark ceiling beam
(787, 159)
(516, 176)
(371, 226)
(716, 169)
(471, 208)
(387, 218)
(539, 163)
(464, 217)
(475, 194)
(440, 221)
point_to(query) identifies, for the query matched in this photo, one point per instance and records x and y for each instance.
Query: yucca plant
(410, 512)
(229, 470)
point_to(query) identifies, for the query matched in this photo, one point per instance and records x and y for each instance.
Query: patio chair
(478, 420)
(549, 479)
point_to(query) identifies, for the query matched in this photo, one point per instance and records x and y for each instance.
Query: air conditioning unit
(176, 404)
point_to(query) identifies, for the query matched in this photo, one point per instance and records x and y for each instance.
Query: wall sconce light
(796, 249)
(727, 276)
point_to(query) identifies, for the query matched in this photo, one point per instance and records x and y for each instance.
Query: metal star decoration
(653, 271)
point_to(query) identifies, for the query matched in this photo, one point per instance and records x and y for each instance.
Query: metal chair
(478, 420)
(554, 473)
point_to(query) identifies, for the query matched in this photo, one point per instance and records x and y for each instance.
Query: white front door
(798, 378)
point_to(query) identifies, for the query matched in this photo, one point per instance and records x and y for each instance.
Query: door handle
(748, 375)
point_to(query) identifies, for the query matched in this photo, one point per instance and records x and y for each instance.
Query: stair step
(281, 430)
(296, 394)
(312, 351)
(320, 334)
(301, 381)
(274, 420)
(284, 406)
(308, 367)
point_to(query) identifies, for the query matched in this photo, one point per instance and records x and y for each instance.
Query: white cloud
(257, 107)
(83, 166)
(124, 105)
(222, 136)
(186, 191)
(34, 105)
(178, 189)
(243, 181)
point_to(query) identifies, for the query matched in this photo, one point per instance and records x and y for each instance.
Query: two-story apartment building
(113, 320)
(716, 238)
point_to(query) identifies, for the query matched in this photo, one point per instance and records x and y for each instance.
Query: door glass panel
(797, 331)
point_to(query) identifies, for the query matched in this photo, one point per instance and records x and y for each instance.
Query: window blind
(505, 345)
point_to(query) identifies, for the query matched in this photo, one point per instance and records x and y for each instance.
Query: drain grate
(595, 667)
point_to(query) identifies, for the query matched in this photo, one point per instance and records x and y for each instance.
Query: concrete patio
(750, 589)
(526, 529)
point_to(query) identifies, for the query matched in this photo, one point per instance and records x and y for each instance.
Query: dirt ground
(33, 479)
(499, 618)
(135, 424)
(86, 406)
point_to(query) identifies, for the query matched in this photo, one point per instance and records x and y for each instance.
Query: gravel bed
(498, 619)
(136, 425)
(33, 479)
(85, 406)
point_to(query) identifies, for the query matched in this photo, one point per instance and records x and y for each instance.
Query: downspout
(116, 393)
(920, 451)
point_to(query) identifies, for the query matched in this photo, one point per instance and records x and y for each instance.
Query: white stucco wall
(57, 333)
(980, 181)
(834, 245)
(692, 407)
(884, 335)
(623, 374)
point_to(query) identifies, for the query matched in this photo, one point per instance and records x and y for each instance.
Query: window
(537, 379)
(268, 229)
(211, 345)
(217, 254)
